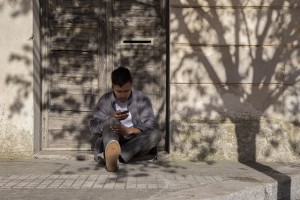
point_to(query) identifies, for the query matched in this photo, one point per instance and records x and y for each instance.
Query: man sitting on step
(126, 120)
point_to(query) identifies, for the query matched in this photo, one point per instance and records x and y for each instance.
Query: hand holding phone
(121, 115)
(125, 112)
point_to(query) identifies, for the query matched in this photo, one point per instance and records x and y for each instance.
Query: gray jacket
(139, 105)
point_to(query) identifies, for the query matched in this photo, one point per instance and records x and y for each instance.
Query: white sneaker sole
(112, 153)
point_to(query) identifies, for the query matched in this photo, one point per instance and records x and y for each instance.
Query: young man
(126, 120)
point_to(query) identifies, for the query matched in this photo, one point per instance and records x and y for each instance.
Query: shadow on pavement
(283, 181)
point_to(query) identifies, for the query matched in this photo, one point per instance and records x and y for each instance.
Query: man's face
(123, 92)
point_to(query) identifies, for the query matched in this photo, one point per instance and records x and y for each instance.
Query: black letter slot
(137, 41)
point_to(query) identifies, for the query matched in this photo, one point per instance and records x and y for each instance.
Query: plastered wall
(234, 71)
(16, 79)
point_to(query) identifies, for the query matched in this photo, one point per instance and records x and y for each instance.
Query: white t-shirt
(122, 107)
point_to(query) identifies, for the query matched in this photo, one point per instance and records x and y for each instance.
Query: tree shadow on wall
(22, 81)
(245, 73)
(245, 69)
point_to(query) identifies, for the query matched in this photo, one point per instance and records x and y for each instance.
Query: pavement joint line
(35, 182)
(48, 181)
(110, 182)
(7, 180)
(58, 182)
(99, 183)
(67, 183)
(28, 181)
(105, 181)
(79, 181)
(90, 181)
(13, 182)
(20, 180)
(22, 183)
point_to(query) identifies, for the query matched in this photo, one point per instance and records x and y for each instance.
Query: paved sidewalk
(72, 179)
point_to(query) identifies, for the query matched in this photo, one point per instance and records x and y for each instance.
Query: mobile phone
(125, 111)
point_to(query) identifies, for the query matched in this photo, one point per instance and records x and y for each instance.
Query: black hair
(120, 76)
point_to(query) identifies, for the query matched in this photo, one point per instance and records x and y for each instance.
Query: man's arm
(101, 113)
(123, 130)
(146, 113)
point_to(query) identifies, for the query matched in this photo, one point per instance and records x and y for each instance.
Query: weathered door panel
(86, 40)
(138, 42)
(73, 72)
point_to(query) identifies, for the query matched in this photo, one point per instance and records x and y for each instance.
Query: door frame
(37, 74)
(41, 79)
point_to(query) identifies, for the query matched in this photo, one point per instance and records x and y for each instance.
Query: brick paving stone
(131, 183)
(100, 181)
(152, 186)
(58, 181)
(7, 180)
(170, 177)
(194, 184)
(90, 181)
(15, 182)
(12, 177)
(161, 181)
(200, 179)
(141, 183)
(70, 180)
(190, 178)
(209, 178)
(35, 182)
(122, 179)
(141, 186)
(218, 178)
(24, 181)
(131, 186)
(141, 180)
(179, 177)
(179, 186)
(120, 185)
(79, 181)
(152, 180)
(21, 178)
(28, 181)
(113, 181)
(47, 181)
(110, 182)
(11, 183)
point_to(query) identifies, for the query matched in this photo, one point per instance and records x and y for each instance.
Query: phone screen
(125, 111)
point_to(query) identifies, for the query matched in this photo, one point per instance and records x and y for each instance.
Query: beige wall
(233, 73)
(233, 80)
(16, 78)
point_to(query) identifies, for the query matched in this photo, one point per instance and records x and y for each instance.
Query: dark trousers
(131, 144)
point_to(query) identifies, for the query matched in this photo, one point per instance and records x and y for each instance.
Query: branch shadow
(249, 62)
(74, 63)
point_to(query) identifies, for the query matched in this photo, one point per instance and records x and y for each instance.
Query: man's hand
(120, 129)
(119, 115)
(123, 130)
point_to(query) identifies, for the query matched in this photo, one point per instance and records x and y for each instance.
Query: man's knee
(155, 136)
(111, 121)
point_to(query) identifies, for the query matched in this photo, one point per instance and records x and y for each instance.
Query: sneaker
(112, 153)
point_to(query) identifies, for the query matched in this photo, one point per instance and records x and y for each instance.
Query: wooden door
(74, 75)
(84, 41)
(137, 41)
